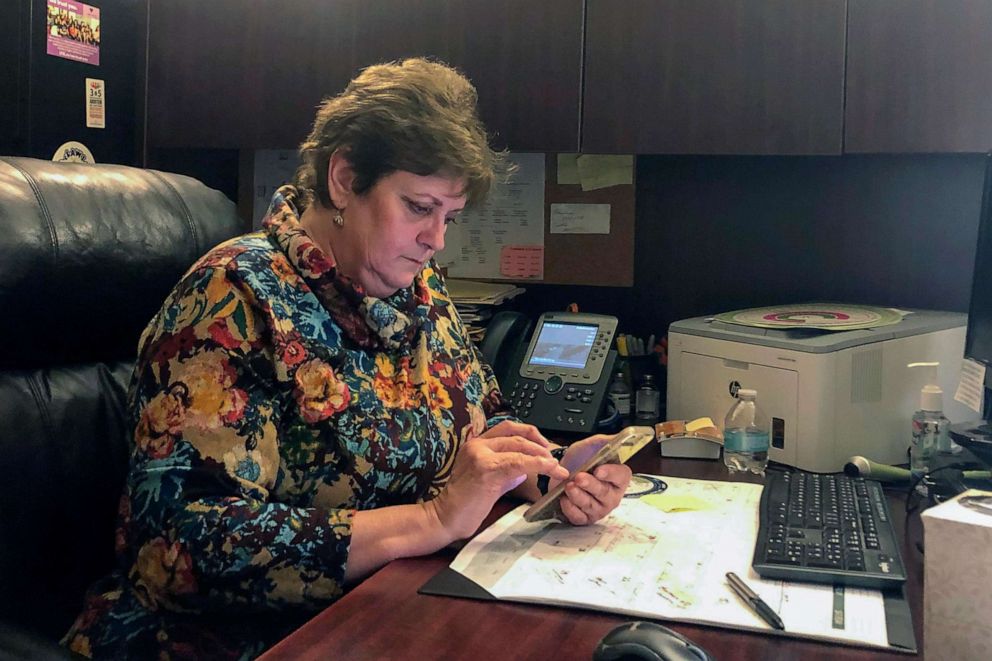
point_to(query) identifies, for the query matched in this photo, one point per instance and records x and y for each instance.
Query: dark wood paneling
(919, 76)
(217, 168)
(44, 97)
(57, 100)
(14, 79)
(878, 230)
(235, 74)
(714, 76)
(141, 83)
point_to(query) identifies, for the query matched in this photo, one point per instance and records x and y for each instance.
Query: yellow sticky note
(698, 423)
(673, 503)
(602, 171)
(568, 169)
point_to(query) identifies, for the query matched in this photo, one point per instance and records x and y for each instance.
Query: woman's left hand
(591, 496)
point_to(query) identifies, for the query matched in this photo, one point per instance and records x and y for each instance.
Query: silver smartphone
(548, 506)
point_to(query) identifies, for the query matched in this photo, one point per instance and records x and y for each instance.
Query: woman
(307, 404)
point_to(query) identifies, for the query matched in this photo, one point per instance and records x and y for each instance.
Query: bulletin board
(605, 260)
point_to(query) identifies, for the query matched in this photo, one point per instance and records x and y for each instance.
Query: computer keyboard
(826, 528)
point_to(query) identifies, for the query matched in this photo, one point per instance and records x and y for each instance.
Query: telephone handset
(563, 376)
(504, 342)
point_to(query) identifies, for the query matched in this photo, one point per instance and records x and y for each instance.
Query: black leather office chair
(87, 255)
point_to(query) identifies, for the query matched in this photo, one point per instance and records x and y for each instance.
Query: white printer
(829, 394)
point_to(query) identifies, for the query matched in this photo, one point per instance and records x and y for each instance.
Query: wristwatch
(543, 481)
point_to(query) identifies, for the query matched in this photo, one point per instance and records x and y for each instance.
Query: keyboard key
(825, 563)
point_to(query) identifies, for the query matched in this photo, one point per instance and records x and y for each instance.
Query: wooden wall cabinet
(714, 76)
(236, 74)
(919, 76)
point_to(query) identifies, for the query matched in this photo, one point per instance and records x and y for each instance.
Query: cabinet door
(714, 76)
(919, 76)
(230, 73)
(14, 58)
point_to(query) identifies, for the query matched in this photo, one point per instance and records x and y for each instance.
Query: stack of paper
(476, 302)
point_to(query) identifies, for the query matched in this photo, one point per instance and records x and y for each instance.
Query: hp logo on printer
(734, 387)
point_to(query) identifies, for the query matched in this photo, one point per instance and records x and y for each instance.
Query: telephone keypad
(570, 399)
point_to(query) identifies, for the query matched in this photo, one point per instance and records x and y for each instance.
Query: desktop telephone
(560, 381)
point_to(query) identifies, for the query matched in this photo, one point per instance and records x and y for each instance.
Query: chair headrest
(89, 252)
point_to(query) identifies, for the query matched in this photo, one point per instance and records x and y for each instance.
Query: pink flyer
(73, 31)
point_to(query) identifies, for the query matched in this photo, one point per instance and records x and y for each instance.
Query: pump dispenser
(931, 396)
(930, 427)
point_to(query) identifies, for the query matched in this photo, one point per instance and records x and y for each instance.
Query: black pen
(754, 602)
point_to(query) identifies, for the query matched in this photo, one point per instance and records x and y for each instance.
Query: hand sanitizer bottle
(930, 427)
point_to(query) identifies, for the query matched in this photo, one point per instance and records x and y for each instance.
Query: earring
(339, 219)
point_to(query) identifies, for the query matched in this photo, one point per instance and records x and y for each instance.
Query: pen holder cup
(637, 366)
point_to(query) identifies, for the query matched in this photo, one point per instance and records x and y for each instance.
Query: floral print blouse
(272, 398)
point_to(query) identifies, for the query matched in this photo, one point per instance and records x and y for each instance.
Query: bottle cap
(931, 395)
(747, 393)
(931, 398)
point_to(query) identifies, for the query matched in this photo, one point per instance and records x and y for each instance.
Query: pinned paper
(580, 218)
(568, 169)
(73, 152)
(971, 385)
(599, 171)
(513, 215)
(96, 104)
(73, 31)
(522, 262)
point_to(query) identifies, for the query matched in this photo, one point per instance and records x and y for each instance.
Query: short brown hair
(416, 115)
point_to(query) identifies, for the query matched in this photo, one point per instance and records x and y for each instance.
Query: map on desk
(666, 555)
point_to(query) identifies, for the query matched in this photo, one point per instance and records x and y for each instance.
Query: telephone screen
(563, 345)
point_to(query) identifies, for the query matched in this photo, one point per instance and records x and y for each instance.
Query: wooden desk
(385, 618)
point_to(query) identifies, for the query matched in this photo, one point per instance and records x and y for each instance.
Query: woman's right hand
(485, 468)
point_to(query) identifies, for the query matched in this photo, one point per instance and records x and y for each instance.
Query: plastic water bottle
(620, 394)
(745, 435)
